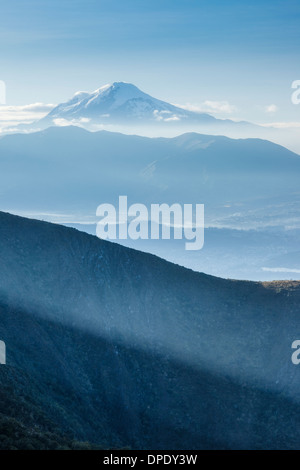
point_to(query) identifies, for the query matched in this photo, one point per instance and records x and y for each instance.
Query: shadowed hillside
(121, 348)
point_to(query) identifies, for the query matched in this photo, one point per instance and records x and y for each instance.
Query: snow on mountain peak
(119, 102)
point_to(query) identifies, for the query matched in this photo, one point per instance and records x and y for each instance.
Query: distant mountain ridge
(71, 170)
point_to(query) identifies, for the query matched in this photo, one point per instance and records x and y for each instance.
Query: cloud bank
(26, 114)
(211, 107)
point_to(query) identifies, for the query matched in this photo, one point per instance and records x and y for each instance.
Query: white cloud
(282, 270)
(211, 107)
(282, 125)
(161, 116)
(270, 109)
(173, 118)
(23, 114)
(60, 122)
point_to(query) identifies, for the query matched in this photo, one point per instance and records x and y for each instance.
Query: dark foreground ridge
(123, 349)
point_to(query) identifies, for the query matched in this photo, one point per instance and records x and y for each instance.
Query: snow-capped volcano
(121, 103)
(123, 107)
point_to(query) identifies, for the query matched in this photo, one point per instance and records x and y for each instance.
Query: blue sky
(242, 54)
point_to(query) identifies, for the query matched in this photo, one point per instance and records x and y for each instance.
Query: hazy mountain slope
(265, 254)
(127, 349)
(121, 396)
(242, 182)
